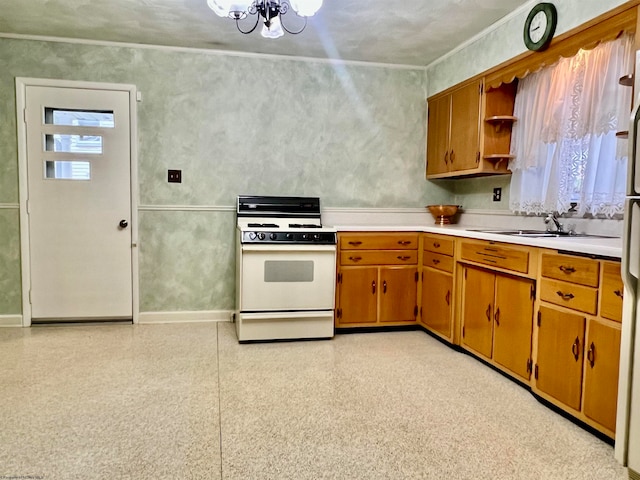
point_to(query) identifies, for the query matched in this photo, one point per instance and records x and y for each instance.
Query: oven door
(287, 277)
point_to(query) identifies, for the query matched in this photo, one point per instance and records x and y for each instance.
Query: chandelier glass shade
(270, 12)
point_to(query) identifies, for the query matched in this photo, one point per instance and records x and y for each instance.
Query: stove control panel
(318, 238)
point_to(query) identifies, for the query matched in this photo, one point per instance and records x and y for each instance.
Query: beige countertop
(605, 247)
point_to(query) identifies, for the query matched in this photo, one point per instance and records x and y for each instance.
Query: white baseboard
(185, 316)
(10, 320)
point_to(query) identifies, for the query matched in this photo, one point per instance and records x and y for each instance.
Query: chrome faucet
(552, 218)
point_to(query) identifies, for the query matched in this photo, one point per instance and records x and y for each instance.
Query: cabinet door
(513, 323)
(438, 135)
(478, 310)
(465, 127)
(560, 353)
(358, 295)
(601, 373)
(398, 294)
(437, 291)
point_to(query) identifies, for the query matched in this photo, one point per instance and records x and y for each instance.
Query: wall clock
(540, 26)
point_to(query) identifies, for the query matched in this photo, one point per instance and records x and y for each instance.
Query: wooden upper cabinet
(457, 129)
(438, 125)
(464, 148)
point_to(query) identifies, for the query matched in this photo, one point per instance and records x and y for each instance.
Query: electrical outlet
(497, 194)
(174, 176)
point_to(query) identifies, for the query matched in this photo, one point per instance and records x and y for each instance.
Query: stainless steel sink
(539, 233)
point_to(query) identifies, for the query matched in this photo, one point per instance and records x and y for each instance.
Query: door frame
(25, 254)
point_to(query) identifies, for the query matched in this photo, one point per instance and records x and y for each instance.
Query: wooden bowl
(444, 213)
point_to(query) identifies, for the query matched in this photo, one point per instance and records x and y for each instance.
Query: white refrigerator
(627, 447)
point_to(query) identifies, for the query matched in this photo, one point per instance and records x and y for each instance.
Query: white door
(79, 203)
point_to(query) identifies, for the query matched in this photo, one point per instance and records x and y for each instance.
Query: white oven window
(288, 271)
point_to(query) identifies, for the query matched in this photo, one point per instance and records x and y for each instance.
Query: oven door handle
(288, 248)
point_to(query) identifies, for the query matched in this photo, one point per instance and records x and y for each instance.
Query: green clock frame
(551, 13)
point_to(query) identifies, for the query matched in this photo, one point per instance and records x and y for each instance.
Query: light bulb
(275, 30)
(306, 8)
(230, 8)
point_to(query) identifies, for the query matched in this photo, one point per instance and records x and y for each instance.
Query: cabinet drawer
(384, 257)
(379, 241)
(612, 292)
(436, 260)
(437, 244)
(570, 295)
(496, 255)
(583, 271)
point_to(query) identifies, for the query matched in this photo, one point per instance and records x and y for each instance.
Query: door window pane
(78, 118)
(67, 170)
(91, 144)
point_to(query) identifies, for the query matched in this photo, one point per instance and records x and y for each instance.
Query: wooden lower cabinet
(398, 294)
(513, 327)
(602, 363)
(358, 301)
(479, 288)
(558, 369)
(370, 295)
(437, 298)
(497, 319)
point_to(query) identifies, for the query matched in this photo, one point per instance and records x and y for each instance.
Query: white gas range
(285, 269)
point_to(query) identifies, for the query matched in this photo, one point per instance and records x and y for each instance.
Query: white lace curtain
(564, 141)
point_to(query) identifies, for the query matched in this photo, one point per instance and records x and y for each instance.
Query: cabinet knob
(575, 348)
(618, 293)
(591, 355)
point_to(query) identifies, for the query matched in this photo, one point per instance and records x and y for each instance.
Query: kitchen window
(564, 142)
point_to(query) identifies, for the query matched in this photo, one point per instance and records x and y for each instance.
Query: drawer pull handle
(446, 157)
(565, 296)
(384, 286)
(355, 243)
(566, 270)
(619, 293)
(591, 355)
(373, 287)
(404, 242)
(488, 312)
(491, 249)
(403, 257)
(452, 157)
(575, 348)
(497, 316)
(447, 297)
(355, 259)
(435, 261)
(436, 245)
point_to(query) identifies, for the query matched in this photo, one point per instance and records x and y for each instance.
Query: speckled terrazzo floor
(186, 401)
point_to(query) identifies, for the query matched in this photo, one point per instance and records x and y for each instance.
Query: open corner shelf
(498, 158)
(498, 121)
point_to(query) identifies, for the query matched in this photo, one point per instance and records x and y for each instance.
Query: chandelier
(269, 11)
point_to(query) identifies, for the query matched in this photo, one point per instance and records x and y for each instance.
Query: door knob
(123, 224)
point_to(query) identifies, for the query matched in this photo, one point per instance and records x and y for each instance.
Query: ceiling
(403, 32)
